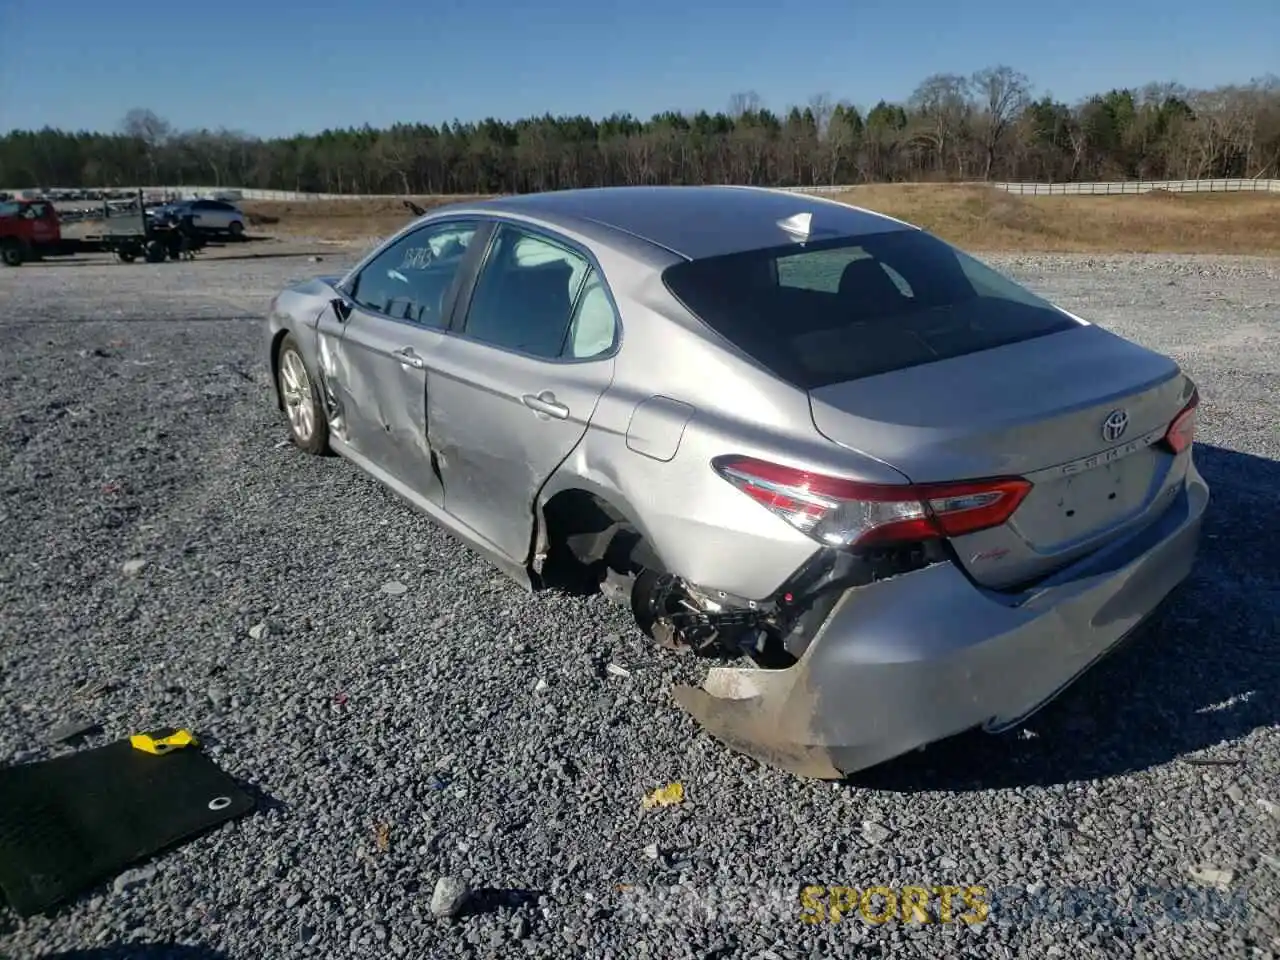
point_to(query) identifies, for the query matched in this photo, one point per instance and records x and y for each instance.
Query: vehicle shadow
(265, 255)
(256, 247)
(212, 252)
(499, 899)
(225, 240)
(140, 951)
(73, 261)
(1203, 673)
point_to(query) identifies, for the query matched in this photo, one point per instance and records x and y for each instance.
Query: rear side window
(526, 295)
(594, 327)
(841, 310)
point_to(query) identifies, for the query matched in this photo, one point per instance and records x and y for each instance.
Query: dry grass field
(972, 217)
(334, 219)
(980, 219)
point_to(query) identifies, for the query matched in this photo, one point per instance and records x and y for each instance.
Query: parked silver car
(211, 216)
(910, 497)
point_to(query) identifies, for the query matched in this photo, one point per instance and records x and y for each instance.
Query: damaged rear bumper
(920, 657)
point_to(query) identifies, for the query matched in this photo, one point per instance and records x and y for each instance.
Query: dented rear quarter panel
(715, 401)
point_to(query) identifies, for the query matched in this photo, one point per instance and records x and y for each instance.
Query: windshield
(841, 310)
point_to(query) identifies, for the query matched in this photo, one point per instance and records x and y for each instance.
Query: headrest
(865, 281)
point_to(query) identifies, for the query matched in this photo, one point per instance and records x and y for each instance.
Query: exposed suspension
(679, 618)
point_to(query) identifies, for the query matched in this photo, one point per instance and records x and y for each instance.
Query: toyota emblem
(1115, 425)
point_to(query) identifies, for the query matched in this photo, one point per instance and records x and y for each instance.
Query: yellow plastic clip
(667, 796)
(148, 744)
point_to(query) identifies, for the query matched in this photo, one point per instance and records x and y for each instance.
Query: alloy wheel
(299, 401)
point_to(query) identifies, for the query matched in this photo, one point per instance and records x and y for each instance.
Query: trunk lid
(1034, 409)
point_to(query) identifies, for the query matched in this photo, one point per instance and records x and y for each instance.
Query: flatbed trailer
(129, 233)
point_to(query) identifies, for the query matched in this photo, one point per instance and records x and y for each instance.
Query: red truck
(29, 230)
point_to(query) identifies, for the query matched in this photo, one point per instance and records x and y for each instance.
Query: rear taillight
(848, 513)
(1182, 432)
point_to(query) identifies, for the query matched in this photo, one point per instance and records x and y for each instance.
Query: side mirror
(341, 308)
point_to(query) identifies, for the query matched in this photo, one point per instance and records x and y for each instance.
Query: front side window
(526, 294)
(413, 277)
(841, 310)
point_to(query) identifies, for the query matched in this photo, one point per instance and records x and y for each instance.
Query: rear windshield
(841, 310)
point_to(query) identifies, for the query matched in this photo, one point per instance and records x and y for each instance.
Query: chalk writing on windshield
(417, 258)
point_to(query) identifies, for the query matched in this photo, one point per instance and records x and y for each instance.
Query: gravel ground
(137, 427)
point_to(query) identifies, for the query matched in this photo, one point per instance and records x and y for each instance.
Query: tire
(304, 406)
(11, 253)
(236, 229)
(126, 256)
(156, 251)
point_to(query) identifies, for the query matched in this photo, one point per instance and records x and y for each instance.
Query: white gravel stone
(449, 897)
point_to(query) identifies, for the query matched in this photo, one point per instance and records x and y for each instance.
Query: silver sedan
(905, 496)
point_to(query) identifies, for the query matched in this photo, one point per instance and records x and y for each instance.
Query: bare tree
(746, 101)
(822, 107)
(941, 103)
(1268, 105)
(1003, 93)
(211, 149)
(146, 126)
(143, 125)
(1225, 131)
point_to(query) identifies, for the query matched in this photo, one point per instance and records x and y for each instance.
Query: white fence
(1112, 188)
(1029, 189)
(1141, 186)
(1100, 189)
(245, 193)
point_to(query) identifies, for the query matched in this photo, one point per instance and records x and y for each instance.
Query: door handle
(545, 402)
(406, 356)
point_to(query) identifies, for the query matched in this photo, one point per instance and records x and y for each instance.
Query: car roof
(695, 222)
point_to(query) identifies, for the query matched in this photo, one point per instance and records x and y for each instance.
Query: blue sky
(281, 66)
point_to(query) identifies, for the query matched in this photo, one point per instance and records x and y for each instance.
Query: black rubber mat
(69, 823)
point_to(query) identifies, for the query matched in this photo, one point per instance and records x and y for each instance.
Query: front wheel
(236, 230)
(308, 423)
